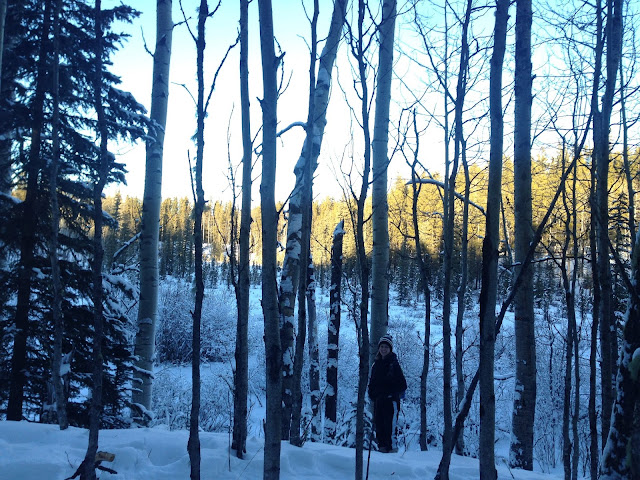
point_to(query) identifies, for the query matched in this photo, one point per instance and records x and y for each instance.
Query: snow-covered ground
(30, 451)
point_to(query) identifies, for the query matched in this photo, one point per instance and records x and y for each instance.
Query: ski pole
(371, 439)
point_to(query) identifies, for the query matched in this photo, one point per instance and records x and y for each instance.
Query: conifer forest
(460, 174)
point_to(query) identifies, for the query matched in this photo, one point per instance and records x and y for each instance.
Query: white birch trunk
(273, 351)
(333, 334)
(524, 400)
(148, 305)
(307, 163)
(380, 163)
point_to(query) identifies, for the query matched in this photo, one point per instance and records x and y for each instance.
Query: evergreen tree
(30, 347)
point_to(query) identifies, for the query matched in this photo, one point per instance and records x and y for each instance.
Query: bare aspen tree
(273, 351)
(612, 36)
(460, 155)
(576, 338)
(293, 279)
(524, 399)
(570, 449)
(596, 316)
(490, 245)
(319, 89)
(358, 46)
(333, 334)
(569, 260)
(380, 163)
(148, 304)
(241, 378)
(631, 193)
(452, 164)
(423, 268)
(594, 448)
(193, 444)
(58, 289)
(462, 290)
(105, 163)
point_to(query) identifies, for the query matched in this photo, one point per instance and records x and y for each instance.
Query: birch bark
(306, 165)
(380, 163)
(148, 304)
(333, 334)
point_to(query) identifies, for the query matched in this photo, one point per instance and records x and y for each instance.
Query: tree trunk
(576, 351)
(615, 428)
(571, 327)
(148, 304)
(490, 246)
(524, 403)
(273, 351)
(242, 289)
(301, 337)
(319, 90)
(314, 357)
(58, 291)
(293, 279)
(619, 459)
(193, 445)
(462, 290)
(333, 334)
(597, 310)
(594, 449)
(423, 268)
(27, 243)
(380, 163)
(627, 167)
(104, 167)
(362, 328)
(460, 153)
(601, 126)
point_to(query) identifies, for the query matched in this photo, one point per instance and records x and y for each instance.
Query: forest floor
(32, 451)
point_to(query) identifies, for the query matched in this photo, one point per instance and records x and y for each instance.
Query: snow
(32, 451)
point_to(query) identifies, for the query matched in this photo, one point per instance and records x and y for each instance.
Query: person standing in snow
(386, 385)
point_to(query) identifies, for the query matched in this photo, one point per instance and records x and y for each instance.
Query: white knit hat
(388, 339)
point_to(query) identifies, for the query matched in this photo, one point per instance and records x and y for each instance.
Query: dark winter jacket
(387, 379)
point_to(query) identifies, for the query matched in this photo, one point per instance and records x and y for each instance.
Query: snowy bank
(33, 451)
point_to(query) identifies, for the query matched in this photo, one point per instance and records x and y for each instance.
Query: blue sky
(134, 65)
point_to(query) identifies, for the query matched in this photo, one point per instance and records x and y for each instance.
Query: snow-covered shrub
(172, 397)
(174, 331)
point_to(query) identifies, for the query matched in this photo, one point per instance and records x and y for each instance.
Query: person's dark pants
(384, 416)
